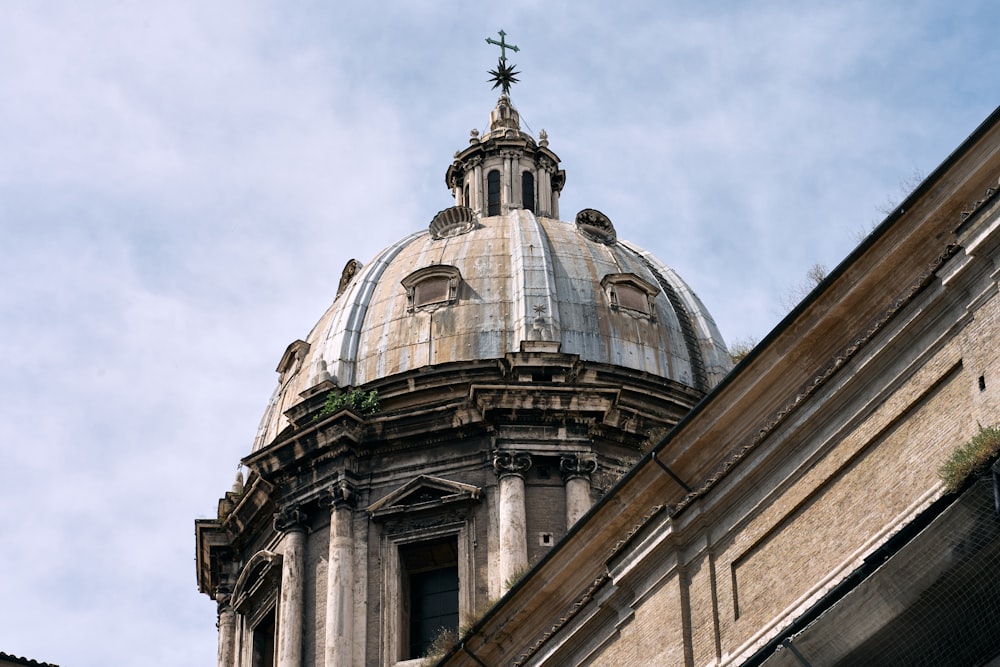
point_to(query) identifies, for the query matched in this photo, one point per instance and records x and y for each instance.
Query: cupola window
(431, 287)
(493, 193)
(630, 293)
(528, 191)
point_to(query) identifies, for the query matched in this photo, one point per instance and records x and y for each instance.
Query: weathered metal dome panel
(592, 327)
(475, 325)
(433, 299)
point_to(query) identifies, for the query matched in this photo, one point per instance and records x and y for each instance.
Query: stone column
(340, 577)
(478, 189)
(516, 201)
(576, 470)
(544, 188)
(506, 196)
(292, 524)
(227, 630)
(510, 468)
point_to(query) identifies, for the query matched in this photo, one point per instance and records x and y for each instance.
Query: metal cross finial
(504, 75)
(503, 45)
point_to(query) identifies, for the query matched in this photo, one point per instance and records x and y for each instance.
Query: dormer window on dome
(630, 293)
(431, 287)
(291, 360)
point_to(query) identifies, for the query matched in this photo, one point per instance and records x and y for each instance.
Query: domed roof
(478, 282)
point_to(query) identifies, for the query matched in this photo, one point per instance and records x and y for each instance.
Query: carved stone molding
(511, 463)
(341, 494)
(596, 226)
(347, 275)
(288, 519)
(426, 495)
(453, 221)
(432, 286)
(257, 585)
(577, 466)
(224, 599)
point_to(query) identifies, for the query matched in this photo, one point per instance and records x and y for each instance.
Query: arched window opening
(466, 201)
(528, 191)
(493, 193)
(255, 596)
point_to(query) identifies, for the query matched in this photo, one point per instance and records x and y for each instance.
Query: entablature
(339, 434)
(556, 402)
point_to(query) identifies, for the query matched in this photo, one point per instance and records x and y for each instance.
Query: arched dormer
(431, 287)
(629, 293)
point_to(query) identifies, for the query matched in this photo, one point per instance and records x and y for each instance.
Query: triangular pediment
(424, 492)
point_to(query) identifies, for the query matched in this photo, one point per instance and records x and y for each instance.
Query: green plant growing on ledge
(971, 458)
(364, 402)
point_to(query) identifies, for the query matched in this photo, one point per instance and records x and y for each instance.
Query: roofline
(24, 661)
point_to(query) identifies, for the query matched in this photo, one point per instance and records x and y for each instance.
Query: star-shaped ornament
(503, 76)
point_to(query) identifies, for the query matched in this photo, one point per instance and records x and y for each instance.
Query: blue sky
(181, 184)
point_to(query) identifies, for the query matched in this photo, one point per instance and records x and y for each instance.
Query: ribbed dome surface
(476, 291)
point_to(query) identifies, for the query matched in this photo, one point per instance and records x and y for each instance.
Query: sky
(181, 184)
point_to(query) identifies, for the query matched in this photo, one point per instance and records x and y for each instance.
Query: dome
(490, 274)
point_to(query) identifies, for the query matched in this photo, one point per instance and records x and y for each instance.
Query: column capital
(290, 519)
(341, 494)
(223, 599)
(511, 463)
(577, 466)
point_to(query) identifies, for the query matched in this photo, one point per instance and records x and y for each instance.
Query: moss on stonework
(972, 458)
(363, 402)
